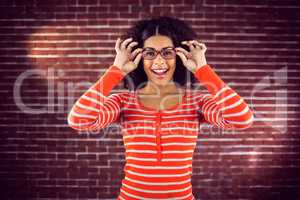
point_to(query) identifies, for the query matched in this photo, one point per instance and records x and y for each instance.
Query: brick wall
(52, 51)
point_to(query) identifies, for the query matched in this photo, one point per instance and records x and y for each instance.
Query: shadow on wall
(41, 156)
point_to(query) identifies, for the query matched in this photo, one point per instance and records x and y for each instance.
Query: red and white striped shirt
(159, 144)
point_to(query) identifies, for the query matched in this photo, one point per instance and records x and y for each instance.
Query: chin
(161, 82)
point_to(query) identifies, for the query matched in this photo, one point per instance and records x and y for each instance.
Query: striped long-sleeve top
(159, 144)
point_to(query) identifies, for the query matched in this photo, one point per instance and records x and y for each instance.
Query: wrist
(118, 70)
(198, 67)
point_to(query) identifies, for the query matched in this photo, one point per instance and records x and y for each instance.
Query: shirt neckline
(174, 107)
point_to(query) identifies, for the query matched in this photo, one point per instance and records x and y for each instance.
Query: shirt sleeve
(223, 107)
(96, 109)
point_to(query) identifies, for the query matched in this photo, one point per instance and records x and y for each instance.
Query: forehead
(158, 42)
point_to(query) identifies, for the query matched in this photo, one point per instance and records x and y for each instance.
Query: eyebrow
(155, 49)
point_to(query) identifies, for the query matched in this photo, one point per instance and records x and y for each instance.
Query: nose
(159, 61)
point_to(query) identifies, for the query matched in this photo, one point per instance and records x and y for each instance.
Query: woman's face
(159, 70)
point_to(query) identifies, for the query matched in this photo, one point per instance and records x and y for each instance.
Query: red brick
(40, 157)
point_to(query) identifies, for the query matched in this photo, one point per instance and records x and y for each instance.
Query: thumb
(137, 59)
(182, 56)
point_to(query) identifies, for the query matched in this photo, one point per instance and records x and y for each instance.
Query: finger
(192, 44)
(203, 46)
(125, 42)
(137, 59)
(185, 52)
(117, 46)
(182, 56)
(135, 52)
(180, 49)
(132, 44)
(199, 45)
(189, 44)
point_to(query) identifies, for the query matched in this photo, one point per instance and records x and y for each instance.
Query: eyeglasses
(151, 53)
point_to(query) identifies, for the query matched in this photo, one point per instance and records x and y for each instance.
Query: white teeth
(159, 70)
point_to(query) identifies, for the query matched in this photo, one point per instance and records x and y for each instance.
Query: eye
(168, 52)
(149, 53)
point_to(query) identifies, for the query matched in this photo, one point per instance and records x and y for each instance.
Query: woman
(160, 116)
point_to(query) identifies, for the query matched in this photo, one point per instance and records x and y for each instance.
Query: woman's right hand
(126, 60)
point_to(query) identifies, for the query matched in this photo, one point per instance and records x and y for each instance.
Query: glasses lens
(168, 53)
(149, 54)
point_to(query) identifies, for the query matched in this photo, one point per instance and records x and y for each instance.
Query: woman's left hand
(195, 58)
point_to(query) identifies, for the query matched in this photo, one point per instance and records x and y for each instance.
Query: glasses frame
(159, 52)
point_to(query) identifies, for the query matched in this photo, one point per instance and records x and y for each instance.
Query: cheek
(147, 65)
(171, 64)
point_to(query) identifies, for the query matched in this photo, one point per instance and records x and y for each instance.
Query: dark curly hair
(173, 28)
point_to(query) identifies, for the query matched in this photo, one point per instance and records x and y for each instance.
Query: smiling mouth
(160, 72)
